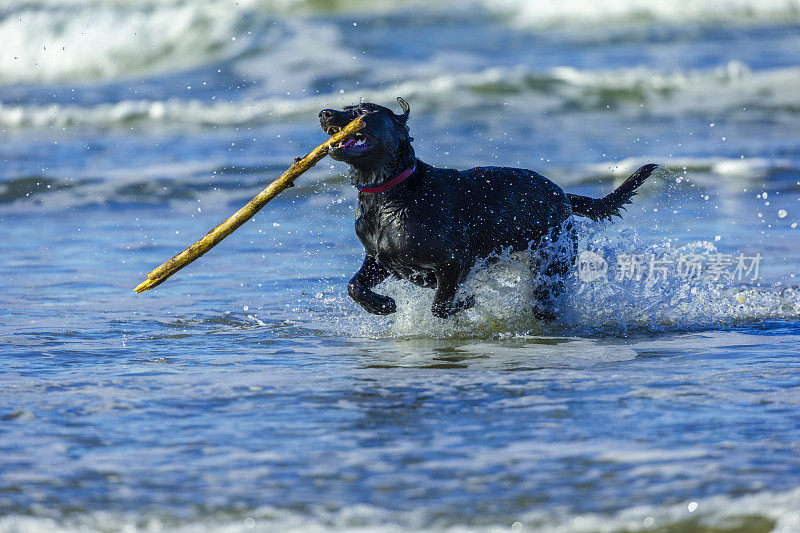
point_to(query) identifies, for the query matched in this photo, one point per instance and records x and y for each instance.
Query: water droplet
(693, 505)
(782, 213)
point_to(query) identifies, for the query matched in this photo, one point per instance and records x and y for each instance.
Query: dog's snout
(326, 114)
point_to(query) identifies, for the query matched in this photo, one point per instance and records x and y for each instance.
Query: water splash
(618, 303)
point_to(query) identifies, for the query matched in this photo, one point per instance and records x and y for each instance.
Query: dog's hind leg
(360, 288)
(445, 303)
(551, 265)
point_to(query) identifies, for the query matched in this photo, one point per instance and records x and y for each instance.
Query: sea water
(248, 393)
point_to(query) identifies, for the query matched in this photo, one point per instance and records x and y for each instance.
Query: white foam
(46, 42)
(780, 510)
(726, 89)
(527, 13)
(504, 300)
(74, 188)
(746, 167)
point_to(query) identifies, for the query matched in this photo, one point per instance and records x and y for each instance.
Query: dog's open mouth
(351, 146)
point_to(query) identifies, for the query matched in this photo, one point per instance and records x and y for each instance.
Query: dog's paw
(544, 314)
(441, 310)
(448, 309)
(467, 303)
(378, 304)
(375, 303)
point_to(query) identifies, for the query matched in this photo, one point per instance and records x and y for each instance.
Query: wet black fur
(432, 227)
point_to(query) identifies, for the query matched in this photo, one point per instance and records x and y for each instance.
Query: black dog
(429, 225)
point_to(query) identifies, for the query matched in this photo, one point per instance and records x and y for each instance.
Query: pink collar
(392, 182)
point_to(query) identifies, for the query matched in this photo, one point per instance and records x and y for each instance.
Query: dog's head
(381, 148)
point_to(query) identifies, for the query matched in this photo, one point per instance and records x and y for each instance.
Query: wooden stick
(213, 237)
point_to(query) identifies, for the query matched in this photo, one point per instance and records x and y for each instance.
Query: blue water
(249, 393)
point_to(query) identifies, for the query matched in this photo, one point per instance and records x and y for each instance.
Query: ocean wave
(728, 88)
(96, 40)
(216, 182)
(732, 89)
(99, 40)
(762, 511)
(567, 12)
(89, 41)
(700, 167)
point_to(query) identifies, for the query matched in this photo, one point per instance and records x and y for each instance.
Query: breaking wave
(526, 13)
(95, 40)
(216, 183)
(759, 512)
(728, 90)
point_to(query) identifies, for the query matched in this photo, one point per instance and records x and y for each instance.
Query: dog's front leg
(445, 304)
(370, 274)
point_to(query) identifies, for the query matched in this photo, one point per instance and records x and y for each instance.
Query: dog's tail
(605, 208)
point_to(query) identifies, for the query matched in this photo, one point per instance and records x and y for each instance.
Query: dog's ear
(406, 110)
